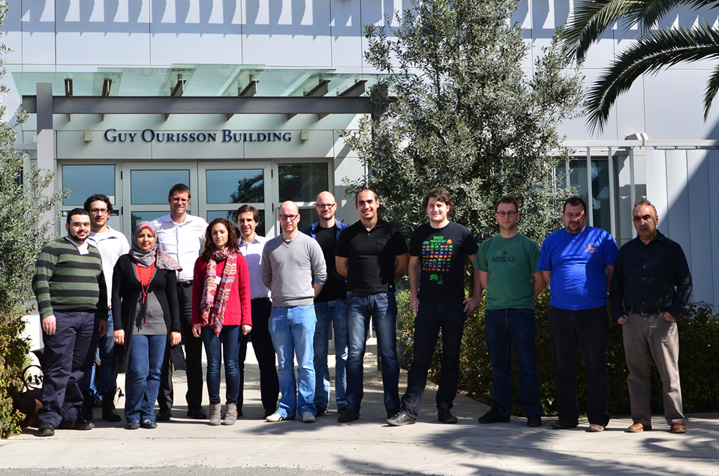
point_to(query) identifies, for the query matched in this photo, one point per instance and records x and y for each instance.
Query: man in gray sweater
(294, 269)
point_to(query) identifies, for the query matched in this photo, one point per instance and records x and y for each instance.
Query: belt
(184, 284)
(645, 311)
(261, 299)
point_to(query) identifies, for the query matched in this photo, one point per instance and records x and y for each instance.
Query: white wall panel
(711, 216)
(196, 31)
(347, 34)
(38, 32)
(698, 249)
(287, 33)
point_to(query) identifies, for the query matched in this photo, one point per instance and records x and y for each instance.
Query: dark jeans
(193, 359)
(67, 360)
(265, 354)
(224, 347)
(504, 329)
(382, 309)
(588, 329)
(431, 317)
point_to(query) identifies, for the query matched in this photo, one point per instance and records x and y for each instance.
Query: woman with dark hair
(220, 312)
(145, 314)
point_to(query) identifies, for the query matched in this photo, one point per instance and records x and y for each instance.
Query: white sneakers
(307, 417)
(274, 418)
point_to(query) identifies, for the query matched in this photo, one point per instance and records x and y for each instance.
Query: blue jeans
(292, 330)
(330, 311)
(588, 328)
(507, 328)
(228, 343)
(142, 381)
(382, 308)
(430, 318)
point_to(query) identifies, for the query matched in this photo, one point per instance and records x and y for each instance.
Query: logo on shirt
(504, 258)
(436, 257)
(592, 247)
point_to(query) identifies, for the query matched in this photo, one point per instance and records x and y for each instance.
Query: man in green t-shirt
(506, 265)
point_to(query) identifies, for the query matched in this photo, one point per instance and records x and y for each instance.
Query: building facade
(656, 143)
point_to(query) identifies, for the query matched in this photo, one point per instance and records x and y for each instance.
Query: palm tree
(655, 48)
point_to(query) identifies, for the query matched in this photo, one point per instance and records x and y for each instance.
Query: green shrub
(699, 344)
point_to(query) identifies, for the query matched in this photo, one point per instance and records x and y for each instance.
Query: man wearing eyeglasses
(651, 286)
(506, 266)
(371, 253)
(574, 262)
(293, 268)
(329, 308)
(112, 244)
(182, 236)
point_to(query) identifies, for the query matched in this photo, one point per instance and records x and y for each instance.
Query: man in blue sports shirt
(574, 262)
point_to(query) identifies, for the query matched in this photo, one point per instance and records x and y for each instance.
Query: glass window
(235, 186)
(230, 215)
(138, 216)
(150, 187)
(302, 182)
(87, 180)
(599, 203)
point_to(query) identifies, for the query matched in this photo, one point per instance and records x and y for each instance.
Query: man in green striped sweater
(71, 296)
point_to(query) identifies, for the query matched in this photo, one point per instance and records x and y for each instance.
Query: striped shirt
(66, 280)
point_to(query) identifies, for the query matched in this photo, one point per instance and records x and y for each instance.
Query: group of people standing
(184, 280)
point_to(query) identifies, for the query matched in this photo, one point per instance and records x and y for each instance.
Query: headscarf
(214, 295)
(154, 255)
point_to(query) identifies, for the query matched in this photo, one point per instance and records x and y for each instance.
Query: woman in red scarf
(146, 319)
(220, 312)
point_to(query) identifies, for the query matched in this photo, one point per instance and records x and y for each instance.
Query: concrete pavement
(365, 447)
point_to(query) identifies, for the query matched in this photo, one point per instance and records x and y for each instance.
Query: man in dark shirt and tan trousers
(651, 286)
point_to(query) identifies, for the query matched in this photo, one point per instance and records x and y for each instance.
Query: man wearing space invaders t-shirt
(437, 250)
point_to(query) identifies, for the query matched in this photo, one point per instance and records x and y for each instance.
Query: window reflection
(230, 215)
(302, 182)
(150, 187)
(87, 180)
(599, 202)
(138, 216)
(235, 186)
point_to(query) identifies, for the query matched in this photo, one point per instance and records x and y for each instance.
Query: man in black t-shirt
(437, 253)
(371, 254)
(329, 307)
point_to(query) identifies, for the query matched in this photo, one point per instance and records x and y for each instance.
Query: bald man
(330, 308)
(293, 268)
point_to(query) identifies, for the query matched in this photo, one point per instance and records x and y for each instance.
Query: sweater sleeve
(44, 268)
(198, 282)
(243, 276)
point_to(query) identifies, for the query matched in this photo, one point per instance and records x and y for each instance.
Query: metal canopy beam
(202, 105)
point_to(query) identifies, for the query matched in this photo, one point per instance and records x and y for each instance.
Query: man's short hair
(76, 211)
(365, 190)
(248, 209)
(574, 201)
(98, 197)
(439, 194)
(179, 188)
(645, 202)
(506, 199)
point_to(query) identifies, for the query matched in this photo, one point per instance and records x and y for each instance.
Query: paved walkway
(365, 447)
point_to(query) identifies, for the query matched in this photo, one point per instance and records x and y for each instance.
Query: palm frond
(711, 92)
(653, 52)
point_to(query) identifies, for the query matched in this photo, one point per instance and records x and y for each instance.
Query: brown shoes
(595, 428)
(638, 427)
(678, 428)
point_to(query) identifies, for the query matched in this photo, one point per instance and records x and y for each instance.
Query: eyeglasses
(288, 217)
(506, 214)
(98, 211)
(325, 205)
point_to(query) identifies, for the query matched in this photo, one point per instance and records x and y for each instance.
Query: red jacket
(238, 311)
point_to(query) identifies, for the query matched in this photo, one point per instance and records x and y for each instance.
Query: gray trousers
(648, 337)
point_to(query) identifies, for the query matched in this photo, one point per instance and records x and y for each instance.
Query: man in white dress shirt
(182, 236)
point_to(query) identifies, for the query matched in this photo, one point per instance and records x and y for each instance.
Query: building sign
(223, 136)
